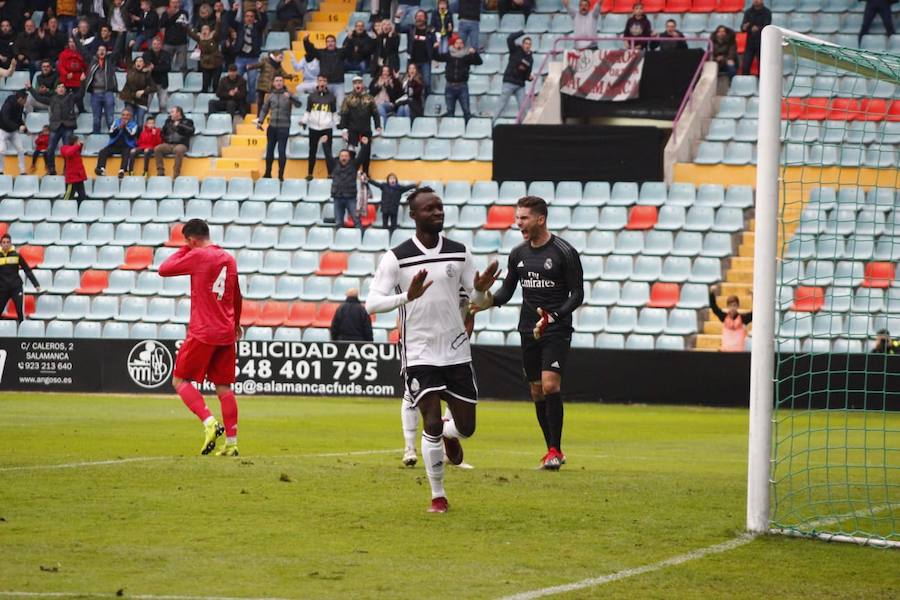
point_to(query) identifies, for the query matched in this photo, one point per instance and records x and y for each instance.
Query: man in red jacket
(74, 171)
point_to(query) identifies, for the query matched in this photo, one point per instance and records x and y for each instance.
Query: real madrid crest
(548, 264)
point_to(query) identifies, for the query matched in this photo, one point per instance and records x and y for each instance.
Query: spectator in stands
(391, 192)
(357, 112)
(7, 43)
(119, 16)
(249, 43)
(206, 16)
(160, 64)
(54, 39)
(671, 38)
(269, 68)
(585, 20)
(101, 84)
(63, 114)
(86, 41)
(420, 47)
(122, 140)
(517, 6)
(637, 26)
(210, 55)
(358, 47)
(734, 323)
(71, 68)
(469, 22)
(412, 102)
(331, 64)
(75, 174)
(881, 8)
(12, 127)
(351, 322)
(41, 143)
(724, 51)
(755, 18)
(138, 88)
(67, 15)
(442, 25)
(343, 187)
(517, 73)
(386, 47)
(289, 16)
(278, 106)
(309, 71)
(385, 90)
(320, 117)
(884, 344)
(10, 281)
(106, 38)
(458, 60)
(144, 26)
(174, 24)
(231, 94)
(44, 82)
(404, 16)
(28, 48)
(150, 138)
(176, 135)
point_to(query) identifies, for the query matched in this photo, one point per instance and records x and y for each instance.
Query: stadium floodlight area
(821, 464)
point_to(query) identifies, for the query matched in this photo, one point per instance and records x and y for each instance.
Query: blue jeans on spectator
(356, 67)
(508, 90)
(242, 62)
(102, 104)
(276, 136)
(60, 135)
(384, 111)
(138, 111)
(425, 71)
(344, 206)
(454, 92)
(469, 31)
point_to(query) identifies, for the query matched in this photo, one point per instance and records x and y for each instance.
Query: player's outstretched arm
(381, 297)
(508, 288)
(179, 263)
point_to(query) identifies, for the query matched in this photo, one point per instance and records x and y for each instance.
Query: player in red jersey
(208, 352)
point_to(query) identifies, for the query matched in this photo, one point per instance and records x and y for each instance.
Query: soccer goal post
(824, 435)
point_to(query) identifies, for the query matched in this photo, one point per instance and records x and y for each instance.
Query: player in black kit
(552, 288)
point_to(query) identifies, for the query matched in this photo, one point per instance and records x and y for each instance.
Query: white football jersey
(431, 327)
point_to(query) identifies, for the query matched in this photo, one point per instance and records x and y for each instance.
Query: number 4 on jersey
(218, 287)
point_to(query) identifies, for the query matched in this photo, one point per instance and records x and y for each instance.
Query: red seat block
(9, 311)
(93, 282)
(894, 111)
(332, 263)
(814, 109)
(33, 255)
(678, 6)
(4, 227)
(843, 109)
(808, 299)
(301, 314)
(740, 40)
(623, 6)
(878, 275)
(325, 314)
(394, 336)
(792, 108)
(176, 238)
(642, 217)
(137, 258)
(704, 6)
(367, 219)
(872, 109)
(249, 312)
(731, 6)
(655, 6)
(664, 295)
(500, 217)
(273, 314)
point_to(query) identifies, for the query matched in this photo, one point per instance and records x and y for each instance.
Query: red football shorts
(197, 361)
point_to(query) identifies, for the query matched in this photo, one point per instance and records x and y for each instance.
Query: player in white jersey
(435, 353)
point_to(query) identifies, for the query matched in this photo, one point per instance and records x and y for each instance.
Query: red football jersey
(215, 292)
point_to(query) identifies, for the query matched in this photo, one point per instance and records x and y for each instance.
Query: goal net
(825, 392)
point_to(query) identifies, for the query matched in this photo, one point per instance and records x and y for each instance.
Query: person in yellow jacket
(10, 281)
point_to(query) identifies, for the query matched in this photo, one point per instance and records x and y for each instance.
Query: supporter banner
(609, 75)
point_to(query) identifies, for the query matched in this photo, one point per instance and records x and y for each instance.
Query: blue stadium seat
(618, 268)
(291, 238)
(634, 293)
(710, 153)
(63, 212)
(629, 243)
(82, 257)
(203, 146)
(624, 193)
(600, 243)
(612, 218)
(721, 130)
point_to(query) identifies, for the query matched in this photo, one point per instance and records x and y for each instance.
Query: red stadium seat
(9, 311)
(500, 217)
(642, 217)
(664, 295)
(273, 314)
(678, 6)
(367, 219)
(740, 40)
(814, 109)
(894, 111)
(332, 263)
(176, 238)
(731, 6)
(655, 6)
(325, 314)
(394, 336)
(93, 282)
(843, 109)
(808, 299)
(301, 314)
(792, 108)
(33, 255)
(878, 275)
(872, 109)
(704, 6)
(137, 258)
(249, 312)
(623, 6)
(4, 227)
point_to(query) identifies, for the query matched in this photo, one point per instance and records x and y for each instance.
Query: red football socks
(193, 399)
(229, 413)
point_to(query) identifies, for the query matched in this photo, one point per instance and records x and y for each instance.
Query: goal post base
(834, 537)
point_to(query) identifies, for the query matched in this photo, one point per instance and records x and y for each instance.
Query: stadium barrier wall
(359, 369)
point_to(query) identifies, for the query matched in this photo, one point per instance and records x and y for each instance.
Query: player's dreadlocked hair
(196, 228)
(534, 204)
(422, 190)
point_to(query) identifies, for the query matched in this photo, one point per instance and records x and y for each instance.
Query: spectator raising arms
(385, 89)
(159, 61)
(391, 192)
(420, 47)
(248, 42)
(458, 60)
(412, 102)
(585, 20)
(139, 86)
(278, 106)
(386, 50)
(357, 112)
(102, 85)
(29, 48)
(210, 55)
(331, 64)
(517, 73)
(309, 71)
(289, 16)
(320, 117)
(755, 18)
(62, 104)
(72, 68)
(734, 323)
(143, 27)
(231, 94)
(358, 48)
(174, 24)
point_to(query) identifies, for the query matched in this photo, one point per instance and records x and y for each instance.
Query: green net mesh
(836, 458)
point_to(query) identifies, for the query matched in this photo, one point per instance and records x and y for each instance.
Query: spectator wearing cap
(357, 112)
(671, 38)
(231, 94)
(278, 106)
(584, 19)
(12, 127)
(459, 59)
(351, 322)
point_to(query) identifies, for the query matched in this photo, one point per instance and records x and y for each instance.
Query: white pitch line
(127, 596)
(625, 574)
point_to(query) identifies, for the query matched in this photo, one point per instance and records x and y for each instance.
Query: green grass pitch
(296, 517)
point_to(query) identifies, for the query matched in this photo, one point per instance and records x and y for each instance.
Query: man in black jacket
(176, 135)
(249, 43)
(357, 113)
(289, 16)
(160, 63)
(517, 73)
(102, 85)
(231, 94)
(12, 125)
(343, 187)
(458, 61)
(174, 22)
(420, 46)
(10, 282)
(755, 18)
(331, 64)
(358, 47)
(28, 48)
(63, 115)
(351, 322)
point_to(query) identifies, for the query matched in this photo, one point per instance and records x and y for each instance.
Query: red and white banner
(610, 75)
